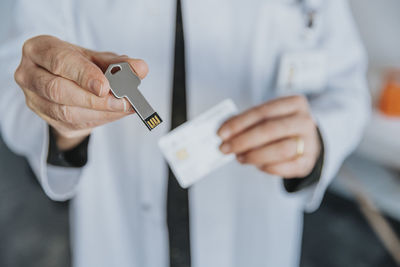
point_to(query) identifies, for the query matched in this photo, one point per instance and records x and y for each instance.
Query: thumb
(104, 59)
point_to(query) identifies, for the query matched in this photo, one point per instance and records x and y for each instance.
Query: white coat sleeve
(342, 110)
(22, 130)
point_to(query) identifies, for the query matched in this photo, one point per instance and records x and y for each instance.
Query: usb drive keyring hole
(115, 69)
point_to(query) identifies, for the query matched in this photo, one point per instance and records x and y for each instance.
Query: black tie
(177, 198)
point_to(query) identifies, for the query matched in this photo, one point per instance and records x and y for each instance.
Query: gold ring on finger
(299, 147)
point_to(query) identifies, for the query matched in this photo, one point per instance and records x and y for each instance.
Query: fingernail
(224, 134)
(225, 148)
(116, 104)
(127, 106)
(96, 86)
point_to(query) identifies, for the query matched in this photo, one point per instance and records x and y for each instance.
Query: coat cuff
(58, 182)
(75, 157)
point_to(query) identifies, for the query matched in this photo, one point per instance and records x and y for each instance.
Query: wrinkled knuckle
(90, 101)
(52, 89)
(58, 61)
(87, 74)
(53, 112)
(65, 114)
(80, 74)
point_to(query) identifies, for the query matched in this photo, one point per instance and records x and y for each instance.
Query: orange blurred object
(389, 102)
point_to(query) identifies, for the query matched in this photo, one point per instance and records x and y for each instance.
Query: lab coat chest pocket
(302, 67)
(281, 41)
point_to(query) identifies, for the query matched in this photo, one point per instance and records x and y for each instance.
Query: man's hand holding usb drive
(279, 137)
(64, 84)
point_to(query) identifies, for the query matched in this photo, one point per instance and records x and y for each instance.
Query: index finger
(68, 61)
(276, 108)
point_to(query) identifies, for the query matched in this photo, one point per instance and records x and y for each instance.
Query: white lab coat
(239, 216)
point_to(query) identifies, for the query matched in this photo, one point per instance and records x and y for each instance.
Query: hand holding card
(191, 149)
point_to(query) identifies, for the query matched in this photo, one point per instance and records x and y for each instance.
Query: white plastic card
(302, 72)
(191, 149)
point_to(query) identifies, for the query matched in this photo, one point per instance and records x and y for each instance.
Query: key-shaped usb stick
(124, 83)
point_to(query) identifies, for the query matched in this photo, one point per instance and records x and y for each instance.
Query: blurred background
(358, 223)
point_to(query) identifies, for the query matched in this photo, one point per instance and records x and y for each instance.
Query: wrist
(69, 141)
